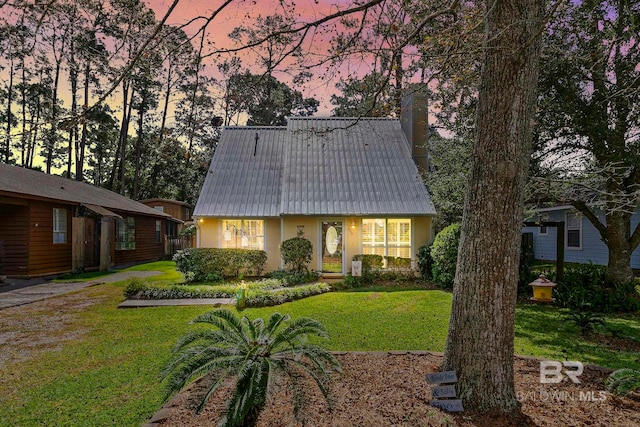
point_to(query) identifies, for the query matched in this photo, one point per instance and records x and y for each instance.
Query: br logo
(553, 372)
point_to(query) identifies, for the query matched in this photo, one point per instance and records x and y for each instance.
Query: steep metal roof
(19, 181)
(314, 166)
(239, 183)
(349, 166)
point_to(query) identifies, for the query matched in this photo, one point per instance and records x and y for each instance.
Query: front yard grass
(103, 368)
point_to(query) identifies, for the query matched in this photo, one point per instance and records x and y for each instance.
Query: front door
(92, 243)
(332, 247)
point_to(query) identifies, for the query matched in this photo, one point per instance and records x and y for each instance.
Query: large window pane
(59, 225)
(387, 237)
(243, 234)
(125, 233)
(574, 230)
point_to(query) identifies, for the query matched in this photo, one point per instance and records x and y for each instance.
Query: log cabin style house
(51, 225)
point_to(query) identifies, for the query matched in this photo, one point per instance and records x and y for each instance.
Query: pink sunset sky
(244, 13)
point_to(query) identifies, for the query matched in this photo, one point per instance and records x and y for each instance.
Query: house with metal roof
(349, 185)
(52, 225)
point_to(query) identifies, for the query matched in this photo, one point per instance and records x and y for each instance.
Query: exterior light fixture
(353, 225)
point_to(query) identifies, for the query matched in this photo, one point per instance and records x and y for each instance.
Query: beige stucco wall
(272, 243)
(208, 232)
(279, 229)
(210, 236)
(422, 233)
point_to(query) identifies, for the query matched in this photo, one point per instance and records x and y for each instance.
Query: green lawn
(108, 375)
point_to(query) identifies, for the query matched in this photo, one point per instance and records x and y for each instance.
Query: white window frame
(386, 237)
(578, 217)
(241, 232)
(60, 219)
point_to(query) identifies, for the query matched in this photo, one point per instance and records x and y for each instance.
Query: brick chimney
(415, 124)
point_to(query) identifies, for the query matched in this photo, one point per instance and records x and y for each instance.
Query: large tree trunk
(481, 332)
(618, 234)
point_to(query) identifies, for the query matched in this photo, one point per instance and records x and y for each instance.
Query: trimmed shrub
(296, 253)
(584, 287)
(263, 298)
(200, 264)
(155, 291)
(293, 278)
(259, 293)
(444, 252)
(425, 262)
(398, 263)
(369, 261)
(134, 287)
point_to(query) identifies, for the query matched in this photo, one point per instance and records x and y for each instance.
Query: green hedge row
(214, 264)
(263, 298)
(260, 293)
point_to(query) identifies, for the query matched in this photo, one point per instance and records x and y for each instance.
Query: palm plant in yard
(624, 381)
(253, 353)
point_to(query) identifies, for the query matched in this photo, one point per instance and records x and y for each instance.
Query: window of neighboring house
(125, 233)
(159, 208)
(158, 231)
(59, 225)
(543, 231)
(574, 230)
(387, 237)
(243, 233)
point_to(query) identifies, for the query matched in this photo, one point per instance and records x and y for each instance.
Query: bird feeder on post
(542, 289)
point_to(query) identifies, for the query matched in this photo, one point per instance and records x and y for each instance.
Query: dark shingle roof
(315, 166)
(21, 181)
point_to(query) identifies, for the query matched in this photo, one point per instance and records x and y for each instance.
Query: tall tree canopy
(590, 114)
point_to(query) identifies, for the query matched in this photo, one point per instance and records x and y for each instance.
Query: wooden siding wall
(175, 210)
(147, 249)
(45, 257)
(14, 228)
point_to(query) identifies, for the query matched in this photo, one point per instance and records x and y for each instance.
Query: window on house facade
(59, 225)
(158, 231)
(125, 233)
(243, 233)
(159, 208)
(387, 237)
(574, 230)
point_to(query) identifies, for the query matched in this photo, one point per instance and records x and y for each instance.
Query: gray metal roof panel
(239, 183)
(351, 166)
(315, 166)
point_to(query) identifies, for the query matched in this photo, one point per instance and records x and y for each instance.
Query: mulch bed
(389, 389)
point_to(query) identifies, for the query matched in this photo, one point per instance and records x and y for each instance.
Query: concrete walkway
(34, 293)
